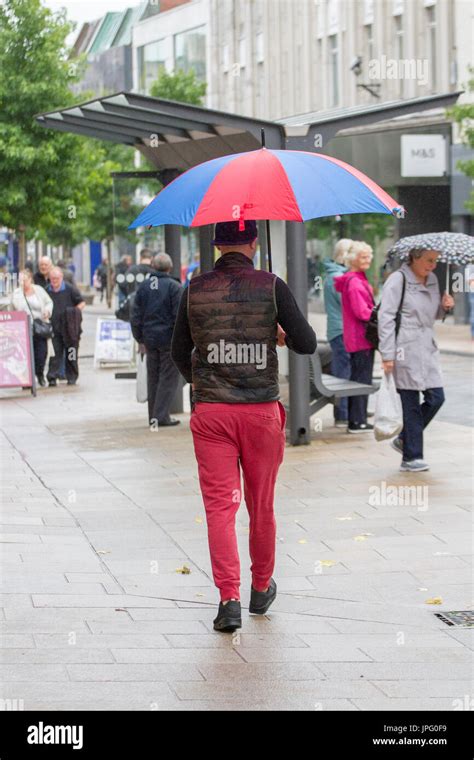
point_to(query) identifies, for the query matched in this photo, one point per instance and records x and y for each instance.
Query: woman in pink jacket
(357, 303)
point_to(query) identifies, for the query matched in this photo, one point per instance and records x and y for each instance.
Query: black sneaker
(359, 427)
(260, 601)
(52, 383)
(169, 423)
(229, 617)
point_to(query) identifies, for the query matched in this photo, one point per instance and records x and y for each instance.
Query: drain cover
(463, 618)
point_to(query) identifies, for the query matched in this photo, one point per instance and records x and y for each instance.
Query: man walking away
(120, 278)
(102, 273)
(230, 320)
(137, 273)
(67, 307)
(153, 317)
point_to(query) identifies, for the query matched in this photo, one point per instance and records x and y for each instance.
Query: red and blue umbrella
(266, 184)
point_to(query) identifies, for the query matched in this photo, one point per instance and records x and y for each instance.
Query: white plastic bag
(142, 389)
(388, 410)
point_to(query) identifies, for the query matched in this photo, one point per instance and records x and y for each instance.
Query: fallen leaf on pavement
(183, 570)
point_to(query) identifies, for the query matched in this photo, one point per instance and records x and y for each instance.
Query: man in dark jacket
(224, 343)
(137, 273)
(120, 277)
(153, 316)
(66, 327)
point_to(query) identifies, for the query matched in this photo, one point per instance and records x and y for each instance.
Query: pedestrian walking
(412, 354)
(224, 343)
(153, 318)
(120, 278)
(68, 274)
(102, 275)
(66, 318)
(36, 302)
(340, 359)
(41, 277)
(357, 300)
(137, 273)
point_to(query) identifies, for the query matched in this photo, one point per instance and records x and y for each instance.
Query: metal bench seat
(325, 389)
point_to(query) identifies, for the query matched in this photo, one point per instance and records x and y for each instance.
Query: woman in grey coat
(413, 355)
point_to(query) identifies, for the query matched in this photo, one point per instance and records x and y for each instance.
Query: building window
(368, 11)
(399, 49)
(261, 91)
(259, 47)
(242, 52)
(151, 58)
(299, 77)
(369, 40)
(190, 51)
(431, 24)
(334, 69)
(225, 58)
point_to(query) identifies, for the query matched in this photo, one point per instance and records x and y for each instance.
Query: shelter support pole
(173, 247)
(298, 364)
(172, 231)
(206, 249)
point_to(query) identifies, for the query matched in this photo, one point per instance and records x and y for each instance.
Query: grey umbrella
(453, 247)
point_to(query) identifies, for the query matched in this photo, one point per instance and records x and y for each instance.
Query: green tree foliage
(57, 184)
(463, 115)
(36, 165)
(182, 86)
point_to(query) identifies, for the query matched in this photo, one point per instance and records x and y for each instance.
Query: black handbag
(372, 327)
(41, 329)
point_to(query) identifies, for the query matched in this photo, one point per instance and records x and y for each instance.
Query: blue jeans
(340, 367)
(416, 417)
(362, 365)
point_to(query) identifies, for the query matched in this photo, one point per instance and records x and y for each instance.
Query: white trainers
(416, 465)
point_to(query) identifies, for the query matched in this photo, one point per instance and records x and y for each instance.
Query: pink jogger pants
(228, 437)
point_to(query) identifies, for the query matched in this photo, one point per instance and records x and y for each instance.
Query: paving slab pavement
(99, 516)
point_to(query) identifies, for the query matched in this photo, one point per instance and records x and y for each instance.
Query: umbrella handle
(447, 278)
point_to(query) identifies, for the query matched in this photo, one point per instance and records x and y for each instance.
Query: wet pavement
(100, 516)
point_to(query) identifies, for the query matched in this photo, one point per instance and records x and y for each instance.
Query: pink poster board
(16, 361)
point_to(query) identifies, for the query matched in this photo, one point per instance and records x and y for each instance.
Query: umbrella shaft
(269, 245)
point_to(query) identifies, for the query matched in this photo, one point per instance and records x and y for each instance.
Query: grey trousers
(162, 383)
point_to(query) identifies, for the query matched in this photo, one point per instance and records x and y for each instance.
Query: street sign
(113, 342)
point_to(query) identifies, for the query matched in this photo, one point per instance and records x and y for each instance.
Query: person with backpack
(357, 298)
(409, 350)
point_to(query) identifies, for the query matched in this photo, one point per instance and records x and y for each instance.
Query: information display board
(16, 351)
(113, 342)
